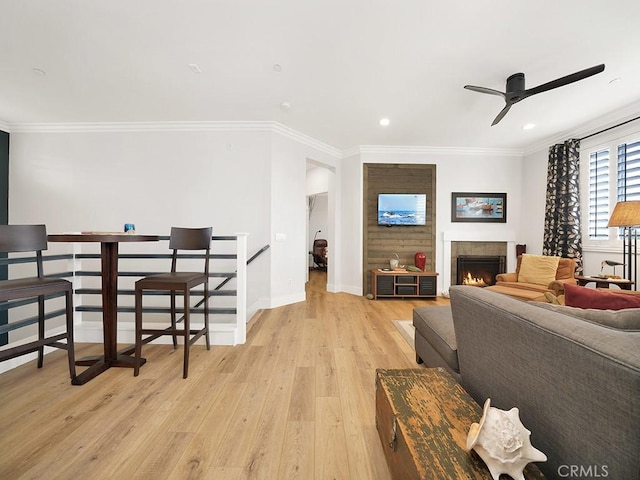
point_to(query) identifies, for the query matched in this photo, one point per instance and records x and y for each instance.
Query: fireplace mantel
(452, 236)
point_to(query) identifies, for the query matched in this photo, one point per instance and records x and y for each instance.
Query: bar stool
(33, 238)
(175, 281)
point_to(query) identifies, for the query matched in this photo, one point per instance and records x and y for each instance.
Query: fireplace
(479, 270)
(472, 242)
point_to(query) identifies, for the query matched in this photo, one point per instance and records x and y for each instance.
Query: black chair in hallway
(319, 253)
(176, 281)
(33, 238)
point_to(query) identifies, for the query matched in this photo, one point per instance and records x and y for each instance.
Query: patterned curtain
(562, 235)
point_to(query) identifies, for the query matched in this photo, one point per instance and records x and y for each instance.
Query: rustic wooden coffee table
(422, 417)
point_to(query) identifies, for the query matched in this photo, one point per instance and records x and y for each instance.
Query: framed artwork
(479, 207)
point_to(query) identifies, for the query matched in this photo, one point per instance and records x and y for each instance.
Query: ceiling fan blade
(490, 91)
(566, 80)
(502, 113)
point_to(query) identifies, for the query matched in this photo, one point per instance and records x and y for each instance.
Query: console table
(402, 283)
(423, 417)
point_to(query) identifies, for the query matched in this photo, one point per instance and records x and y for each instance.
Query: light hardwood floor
(297, 401)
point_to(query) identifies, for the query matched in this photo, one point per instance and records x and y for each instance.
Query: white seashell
(502, 441)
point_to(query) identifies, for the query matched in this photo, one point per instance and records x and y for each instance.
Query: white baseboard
(287, 300)
(91, 332)
(353, 290)
(21, 360)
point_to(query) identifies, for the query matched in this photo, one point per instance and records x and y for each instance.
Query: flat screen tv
(402, 208)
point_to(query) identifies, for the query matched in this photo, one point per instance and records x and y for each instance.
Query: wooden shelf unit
(398, 284)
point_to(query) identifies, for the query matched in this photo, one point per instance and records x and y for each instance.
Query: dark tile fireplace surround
(480, 270)
(477, 263)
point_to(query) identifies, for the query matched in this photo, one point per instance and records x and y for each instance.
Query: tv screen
(402, 208)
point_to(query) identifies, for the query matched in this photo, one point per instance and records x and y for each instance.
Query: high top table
(109, 258)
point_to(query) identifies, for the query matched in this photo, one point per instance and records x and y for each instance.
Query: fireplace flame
(475, 281)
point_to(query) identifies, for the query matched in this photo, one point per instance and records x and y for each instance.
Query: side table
(602, 282)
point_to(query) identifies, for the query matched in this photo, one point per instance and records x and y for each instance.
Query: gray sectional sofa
(574, 374)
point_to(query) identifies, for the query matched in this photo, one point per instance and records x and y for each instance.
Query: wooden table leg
(111, 357)
(109, 258)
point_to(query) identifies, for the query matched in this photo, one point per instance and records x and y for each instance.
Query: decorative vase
(420, 260)
(393, 262)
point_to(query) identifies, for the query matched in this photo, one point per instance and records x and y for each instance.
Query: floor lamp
(627, 216)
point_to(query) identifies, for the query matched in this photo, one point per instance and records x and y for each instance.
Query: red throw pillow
(583, 297)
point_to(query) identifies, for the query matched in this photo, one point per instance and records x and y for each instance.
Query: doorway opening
(320, 218)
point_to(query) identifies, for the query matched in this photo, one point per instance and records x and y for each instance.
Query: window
(602, 193)
(629, 171)
(599, 194)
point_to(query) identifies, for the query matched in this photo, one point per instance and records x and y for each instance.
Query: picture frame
(478, 207)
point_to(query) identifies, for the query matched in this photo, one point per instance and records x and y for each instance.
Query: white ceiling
(345, 64)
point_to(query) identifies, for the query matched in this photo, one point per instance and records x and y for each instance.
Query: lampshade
(625, 214)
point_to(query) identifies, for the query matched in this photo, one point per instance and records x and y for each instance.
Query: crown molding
(350, 152)
(227, 126)
(422, 150)
(604, 121)
(275, 127)
(140, 127)
(305, 139)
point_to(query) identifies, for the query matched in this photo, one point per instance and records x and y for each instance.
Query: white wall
(534, 194)
(237, 181)
(289, 217)
(349, 257)
(317, 180)
(288, 237)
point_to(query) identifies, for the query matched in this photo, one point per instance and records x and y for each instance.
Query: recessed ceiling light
(384, 122)
(529, 126)
(277, 67)
(39, 71)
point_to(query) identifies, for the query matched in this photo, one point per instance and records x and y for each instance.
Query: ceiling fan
(515, 90)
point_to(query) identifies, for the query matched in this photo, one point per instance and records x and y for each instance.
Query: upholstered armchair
(540, 274)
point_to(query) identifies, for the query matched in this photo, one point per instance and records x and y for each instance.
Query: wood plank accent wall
(381, 242)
